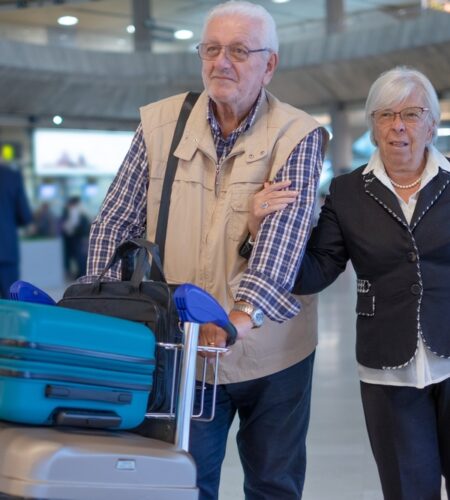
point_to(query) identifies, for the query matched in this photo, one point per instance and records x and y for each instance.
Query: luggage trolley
(68, 463)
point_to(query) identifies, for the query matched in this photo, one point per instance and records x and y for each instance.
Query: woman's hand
(271, 198)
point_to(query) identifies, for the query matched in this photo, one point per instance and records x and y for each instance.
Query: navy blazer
(14, 211)
(403, 271)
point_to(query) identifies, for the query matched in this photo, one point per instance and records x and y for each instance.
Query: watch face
(258, 317)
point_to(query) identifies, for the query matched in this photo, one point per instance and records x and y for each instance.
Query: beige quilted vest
(205, 230)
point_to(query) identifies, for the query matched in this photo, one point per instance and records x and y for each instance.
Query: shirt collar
(435, 159)
(242, 127)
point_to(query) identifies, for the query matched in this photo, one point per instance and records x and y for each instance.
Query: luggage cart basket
(195, 307)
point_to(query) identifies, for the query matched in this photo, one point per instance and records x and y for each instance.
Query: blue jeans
(273, 421)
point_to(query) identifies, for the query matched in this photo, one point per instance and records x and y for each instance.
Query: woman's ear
(430, 131)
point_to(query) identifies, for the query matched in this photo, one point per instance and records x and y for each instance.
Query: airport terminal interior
(73, 75)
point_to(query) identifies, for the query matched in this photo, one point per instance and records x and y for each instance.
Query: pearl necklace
(405, 186)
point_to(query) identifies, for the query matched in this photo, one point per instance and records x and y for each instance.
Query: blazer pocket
(365, 305)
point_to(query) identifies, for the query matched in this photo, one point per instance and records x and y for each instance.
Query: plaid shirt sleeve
(123, 214)
(283, 235)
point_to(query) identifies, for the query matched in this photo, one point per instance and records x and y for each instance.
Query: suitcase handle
(80, 418)
(66, 392)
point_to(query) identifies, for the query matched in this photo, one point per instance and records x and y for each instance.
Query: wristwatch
(256, 314)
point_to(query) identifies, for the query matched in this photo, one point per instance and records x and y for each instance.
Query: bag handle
(145, 248)
(171, 168)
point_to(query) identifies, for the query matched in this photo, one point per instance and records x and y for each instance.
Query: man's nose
(223, 56)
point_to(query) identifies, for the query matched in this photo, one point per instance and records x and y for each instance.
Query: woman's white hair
(251, 11)
(395, 86)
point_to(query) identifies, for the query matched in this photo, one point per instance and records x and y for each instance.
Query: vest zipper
(217, 179)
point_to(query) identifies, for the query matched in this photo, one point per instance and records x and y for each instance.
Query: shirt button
(412, 257)
(416, 289)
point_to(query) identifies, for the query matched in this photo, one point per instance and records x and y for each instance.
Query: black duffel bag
(135, 299)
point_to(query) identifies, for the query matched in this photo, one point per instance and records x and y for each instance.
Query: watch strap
(250, 310)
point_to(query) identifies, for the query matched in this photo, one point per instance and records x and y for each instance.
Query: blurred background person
(45, 223)
(75, 226)
(14, 212)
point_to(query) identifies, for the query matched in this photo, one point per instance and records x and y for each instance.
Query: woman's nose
(398, 123)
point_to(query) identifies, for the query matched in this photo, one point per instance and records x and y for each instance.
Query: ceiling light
(131, 29)
(57, 120)
(183, 34)
(280, 1)
(68, 20)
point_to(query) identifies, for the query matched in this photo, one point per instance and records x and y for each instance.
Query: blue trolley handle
(195, 305)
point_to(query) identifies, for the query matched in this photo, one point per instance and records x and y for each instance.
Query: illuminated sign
(10, 151)
(442, 5)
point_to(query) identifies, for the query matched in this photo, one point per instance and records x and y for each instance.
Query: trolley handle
(195, 305)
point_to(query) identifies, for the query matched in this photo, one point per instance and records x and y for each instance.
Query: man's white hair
(251, 11)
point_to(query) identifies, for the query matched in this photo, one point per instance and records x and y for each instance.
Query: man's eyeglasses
(235, 52)
(414, 114)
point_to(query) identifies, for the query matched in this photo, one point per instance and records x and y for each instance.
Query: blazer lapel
(429, 195)
(382, 195)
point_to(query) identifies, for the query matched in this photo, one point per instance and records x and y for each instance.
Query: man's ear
(271, 66)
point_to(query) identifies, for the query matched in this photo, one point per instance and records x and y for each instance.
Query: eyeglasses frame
(227, 54)
(399, 113)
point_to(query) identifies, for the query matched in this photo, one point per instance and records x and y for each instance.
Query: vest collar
(197, 134)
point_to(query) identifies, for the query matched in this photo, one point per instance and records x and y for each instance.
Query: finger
(276, 207)
(282, 195)
(277, 186)
(268, 205)
(270, 187)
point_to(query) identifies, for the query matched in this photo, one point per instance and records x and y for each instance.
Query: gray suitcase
(76, 464)
(59, 463)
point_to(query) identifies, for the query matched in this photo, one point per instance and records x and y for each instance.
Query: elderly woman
(391, 218)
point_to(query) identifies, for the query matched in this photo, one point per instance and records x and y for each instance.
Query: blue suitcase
(62, 366)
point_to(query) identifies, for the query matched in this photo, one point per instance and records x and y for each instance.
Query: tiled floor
(340, 463)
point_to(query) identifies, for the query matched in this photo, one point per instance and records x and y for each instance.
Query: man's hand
(214, 336)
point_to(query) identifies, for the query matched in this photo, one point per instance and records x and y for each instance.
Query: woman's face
(401, 143)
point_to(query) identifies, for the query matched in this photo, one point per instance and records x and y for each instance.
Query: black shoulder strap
(171, 168)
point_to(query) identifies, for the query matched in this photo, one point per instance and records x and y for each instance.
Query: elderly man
(237, 137)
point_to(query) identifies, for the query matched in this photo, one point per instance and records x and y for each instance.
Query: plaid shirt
(281, 241)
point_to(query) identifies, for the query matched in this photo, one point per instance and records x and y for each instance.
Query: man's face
(236, 84)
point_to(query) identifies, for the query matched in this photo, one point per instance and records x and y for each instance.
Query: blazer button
(412, 257)
(416, 289)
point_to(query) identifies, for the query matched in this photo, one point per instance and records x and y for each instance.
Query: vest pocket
(365, 305)
(237, 227)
